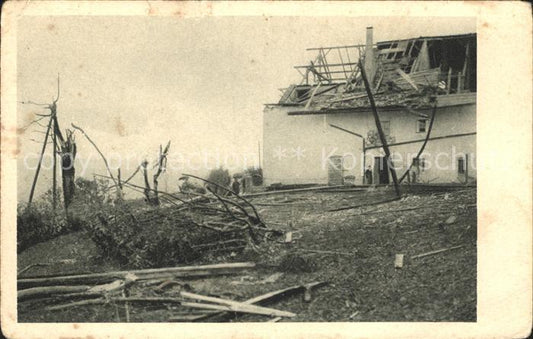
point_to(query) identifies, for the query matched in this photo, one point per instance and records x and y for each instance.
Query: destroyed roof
(434, 37)
(402, 73)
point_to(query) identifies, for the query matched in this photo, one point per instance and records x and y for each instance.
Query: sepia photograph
(193, 168)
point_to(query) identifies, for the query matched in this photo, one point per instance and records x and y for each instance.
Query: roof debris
(407, 73)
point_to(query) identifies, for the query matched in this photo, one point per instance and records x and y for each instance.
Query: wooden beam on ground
(326, 252)
(362, 205)
(49, 290)
(295, 190)
(264, 299)
(174, 272)
(435, 252)
(235, 306)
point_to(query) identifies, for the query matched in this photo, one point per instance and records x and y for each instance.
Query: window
(385, 125)
(461, 165)
(421, 125)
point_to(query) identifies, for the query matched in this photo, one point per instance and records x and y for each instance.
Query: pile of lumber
(137, 287)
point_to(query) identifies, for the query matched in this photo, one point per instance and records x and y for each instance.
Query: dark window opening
(301, 92)
(421, 126)
(461, 166)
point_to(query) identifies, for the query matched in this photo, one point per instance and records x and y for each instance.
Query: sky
(133, 83)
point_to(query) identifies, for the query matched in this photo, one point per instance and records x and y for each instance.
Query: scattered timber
(27, 268)
(168, 272)
(295, 190)
(398, 210)
(235, 306)
(263, 299)
(435, 252)
(326, 252)
(362, 205)
(34, 292)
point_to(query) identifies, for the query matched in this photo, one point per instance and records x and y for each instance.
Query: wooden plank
(184, 271)
(296, 190)
(422, 140)
(362, 205)
(50, 290)
(390, 50)
(326, 252)
(435, 252)
(449, 85)
(266, 298)
(237, 306)
(407, 78)
(312, 96)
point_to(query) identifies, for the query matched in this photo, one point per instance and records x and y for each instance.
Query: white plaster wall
(313, 134)
(284, 135)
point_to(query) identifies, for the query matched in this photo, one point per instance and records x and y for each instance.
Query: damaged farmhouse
(311, 232)
(322, 131)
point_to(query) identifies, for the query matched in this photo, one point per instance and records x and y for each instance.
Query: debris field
(320, 259)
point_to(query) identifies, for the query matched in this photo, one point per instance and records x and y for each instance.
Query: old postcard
(296, 169)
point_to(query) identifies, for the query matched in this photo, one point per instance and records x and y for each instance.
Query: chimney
(369, 54)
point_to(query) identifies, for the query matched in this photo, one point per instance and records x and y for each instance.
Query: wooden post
(40, 161)
(54, 174)
(465, 73)
(449, 84)
(459, 82)
(466, 169)
(380, 131)
(364, 162)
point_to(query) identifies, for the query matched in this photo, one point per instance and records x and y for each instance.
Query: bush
(257, 175)
(39, 222)
(221, 177)
(158, 237)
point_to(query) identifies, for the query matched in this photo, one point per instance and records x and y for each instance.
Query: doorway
(381, 171)
(335, 171)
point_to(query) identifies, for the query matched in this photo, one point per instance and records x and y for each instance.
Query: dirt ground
(352, 250)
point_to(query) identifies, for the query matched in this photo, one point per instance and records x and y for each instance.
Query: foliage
(157, 237)
(39, 222)
(257, 175)
(187, 186)
(91, 192)
(221, 177)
